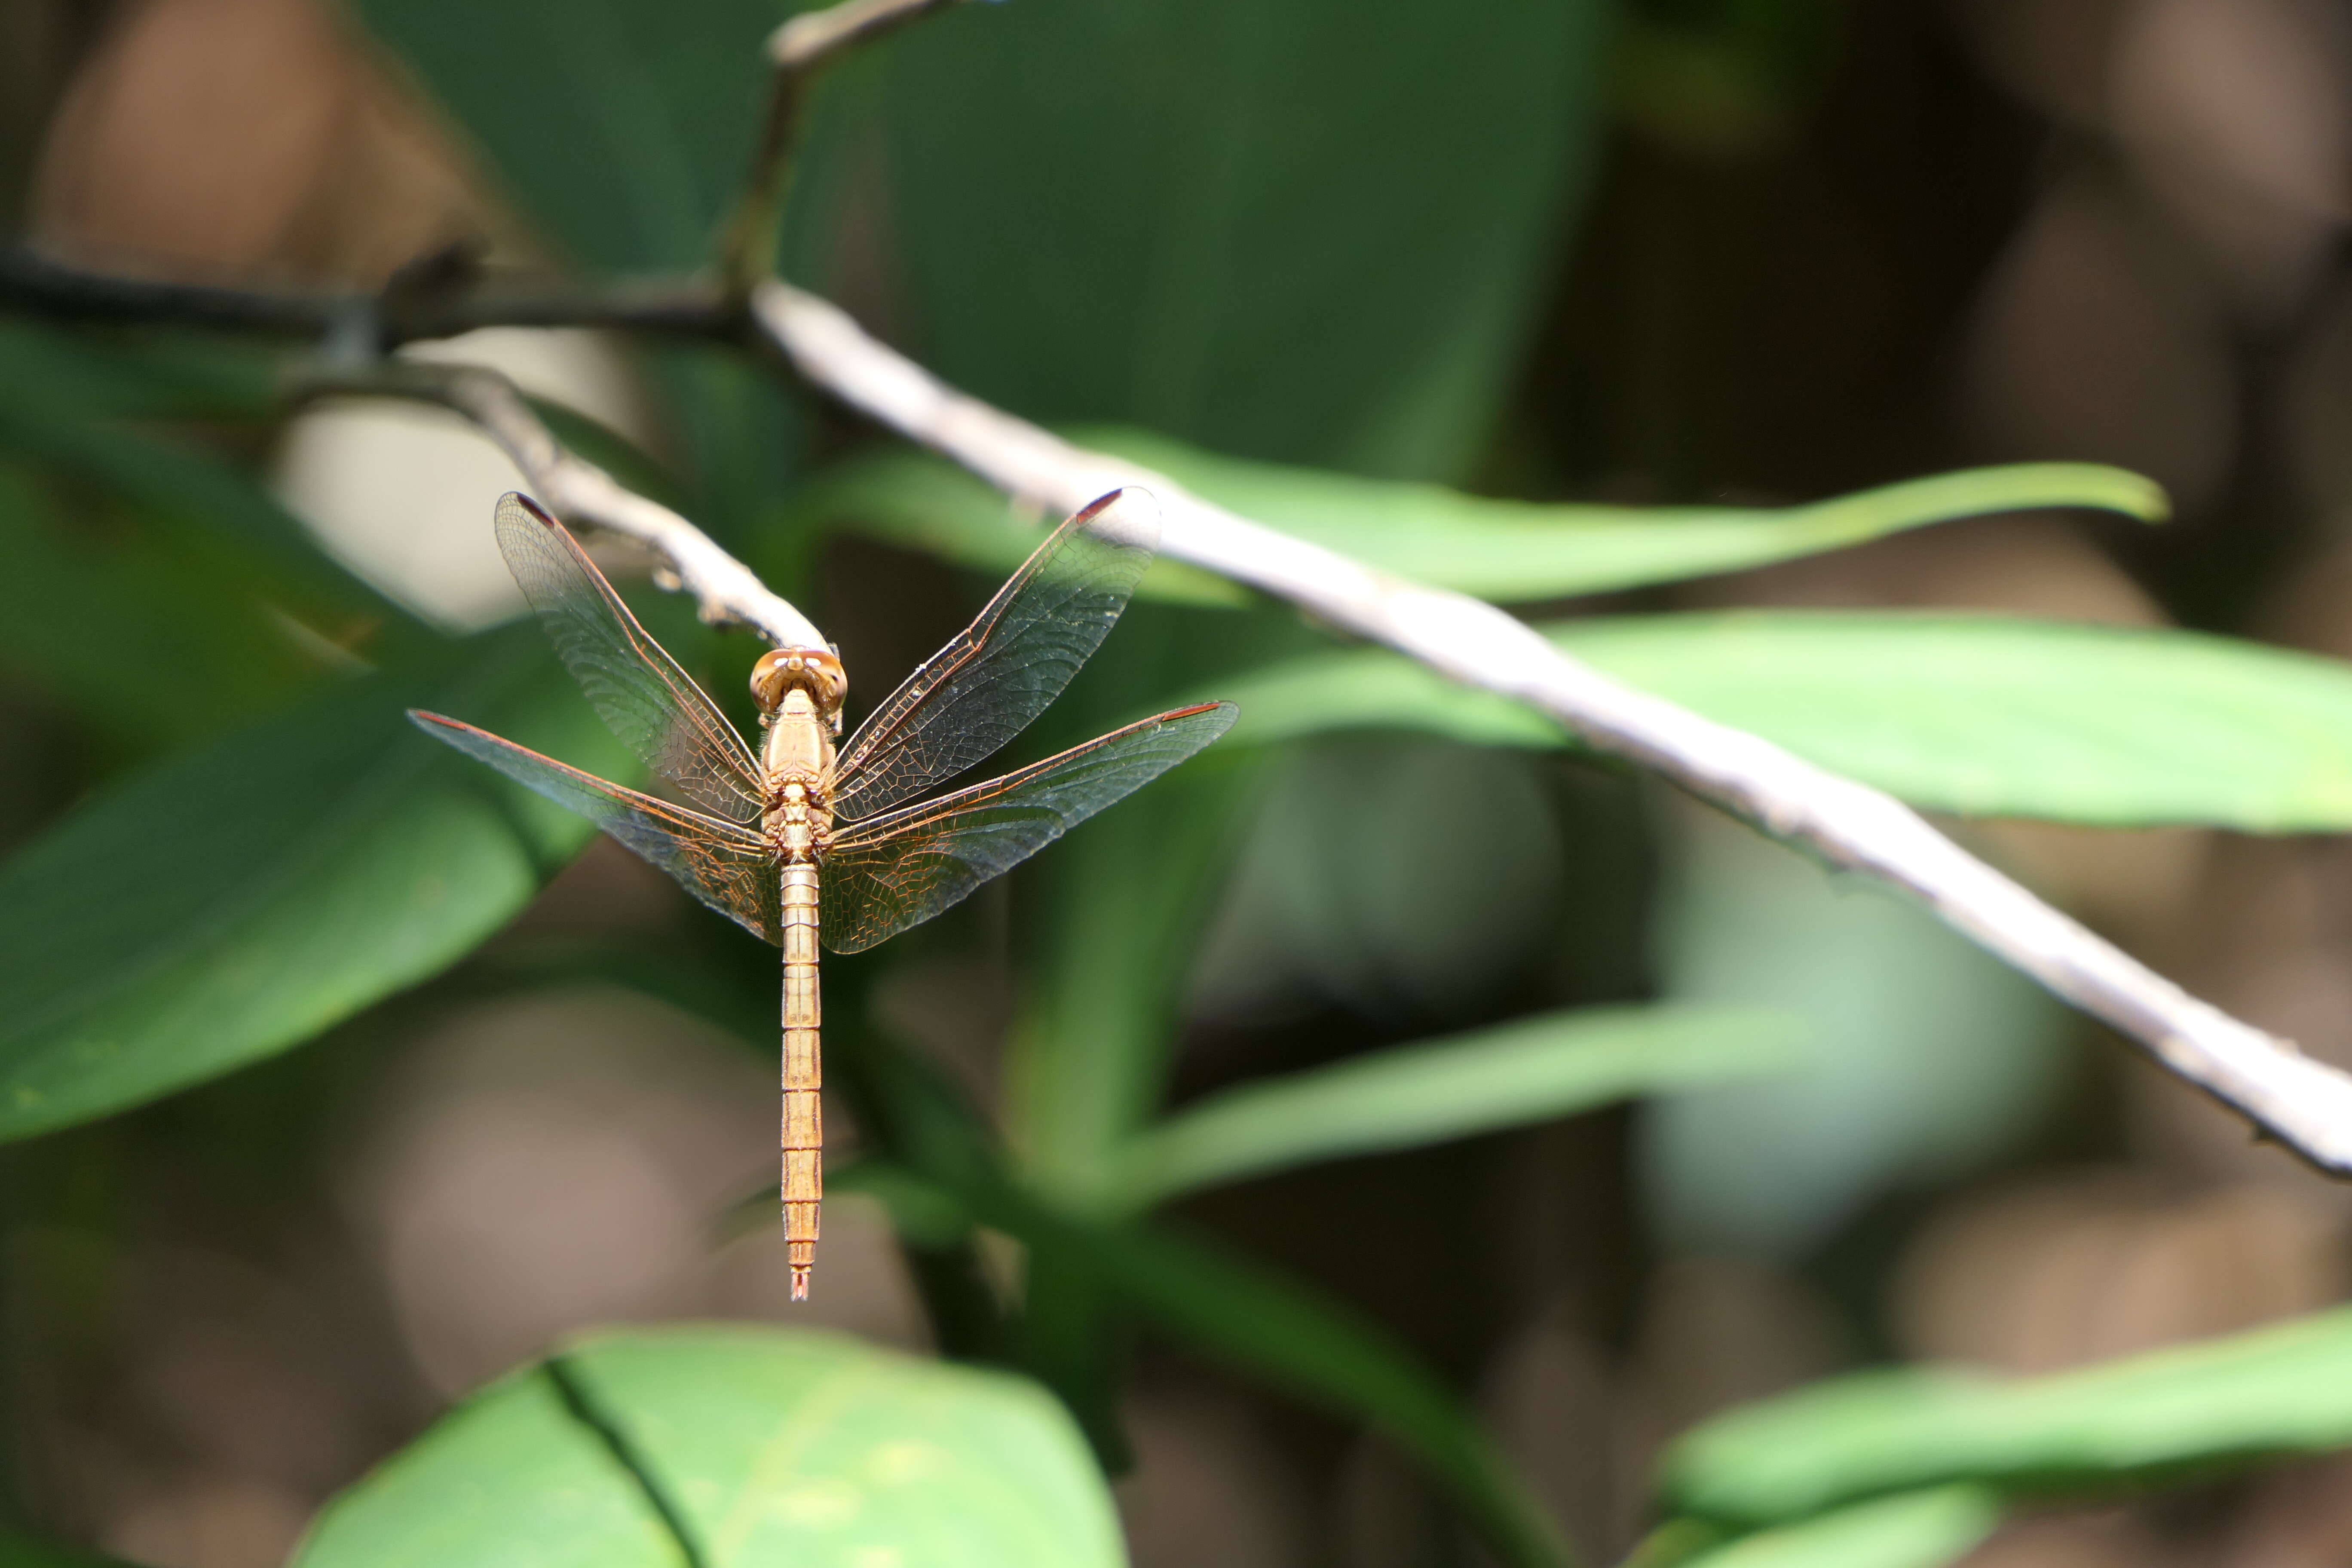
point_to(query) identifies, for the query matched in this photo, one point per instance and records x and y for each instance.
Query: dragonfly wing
(889, 872)
(999, 673)
(652, 705)
(725, 866)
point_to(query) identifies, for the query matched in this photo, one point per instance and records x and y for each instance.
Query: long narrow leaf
(176, 480)
(1087, 1056)
(2274, 1391)
(1531, 1071)
(1913, 1529)
(1510, 552)
(148, 640)
(1976, 714)
(228, 904)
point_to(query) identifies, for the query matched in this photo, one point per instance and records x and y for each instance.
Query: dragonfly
(810, 839)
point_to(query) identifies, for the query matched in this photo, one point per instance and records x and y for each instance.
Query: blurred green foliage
(1291, 253)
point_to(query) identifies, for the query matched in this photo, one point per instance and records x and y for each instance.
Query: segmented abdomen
(803, 1075)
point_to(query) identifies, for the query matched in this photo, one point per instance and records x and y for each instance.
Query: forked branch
(796, 51)
(726, 592)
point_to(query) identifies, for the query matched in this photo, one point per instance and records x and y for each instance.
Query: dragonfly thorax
(798, 749)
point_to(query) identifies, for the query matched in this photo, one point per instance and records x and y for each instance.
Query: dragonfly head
(811, 669)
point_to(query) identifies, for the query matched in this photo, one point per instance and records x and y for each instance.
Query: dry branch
(2305, 1104)
(726, 592)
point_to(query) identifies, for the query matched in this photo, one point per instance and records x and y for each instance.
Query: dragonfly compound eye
(813, 670)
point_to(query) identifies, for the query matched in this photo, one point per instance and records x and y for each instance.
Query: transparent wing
(985, 686)
(889, 872)
(651, 704)
(723, 864)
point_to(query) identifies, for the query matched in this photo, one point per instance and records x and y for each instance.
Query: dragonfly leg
(804, 1074)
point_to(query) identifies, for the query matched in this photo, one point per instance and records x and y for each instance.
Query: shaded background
(1691, 251)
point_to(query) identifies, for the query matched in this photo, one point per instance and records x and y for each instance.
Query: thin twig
(31, 281)
(2307, 1104)
(796, 51)
(726, 591)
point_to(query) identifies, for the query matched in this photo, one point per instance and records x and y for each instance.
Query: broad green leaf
(1255, 1320)
(759, 1445)
(68, 429)
(1974, 714)
(153, 374)
(19, 1551)
(1532, 1070)
(1913, 1529)
(1217, 218)
(621, 130)
(1501, 549)
(150, 642)
(225, 905)
(2275, 1391)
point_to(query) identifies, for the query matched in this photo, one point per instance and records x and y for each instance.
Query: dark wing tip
(1226, 713)
(1129, 515)
(441, 727)
(1099, 505)
(514, 501)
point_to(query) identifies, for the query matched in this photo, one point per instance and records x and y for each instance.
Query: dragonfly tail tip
(800, 1281)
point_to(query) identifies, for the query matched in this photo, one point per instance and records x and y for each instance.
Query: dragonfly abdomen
(804, 1074)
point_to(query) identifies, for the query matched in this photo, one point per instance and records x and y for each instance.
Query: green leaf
(1973, 714)
(1086, 1057)
(1510, 550)
(621, 130)
(1914, 1529)
(1531, 1071)
(1254, 1320)
(150, 375)
(19, 1551)
(1213, 217)
(228, 904)
(150, 641)
(1504, 550)
(757, 1445)
(918, 502)
(63, 424)
(2275, 1391)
